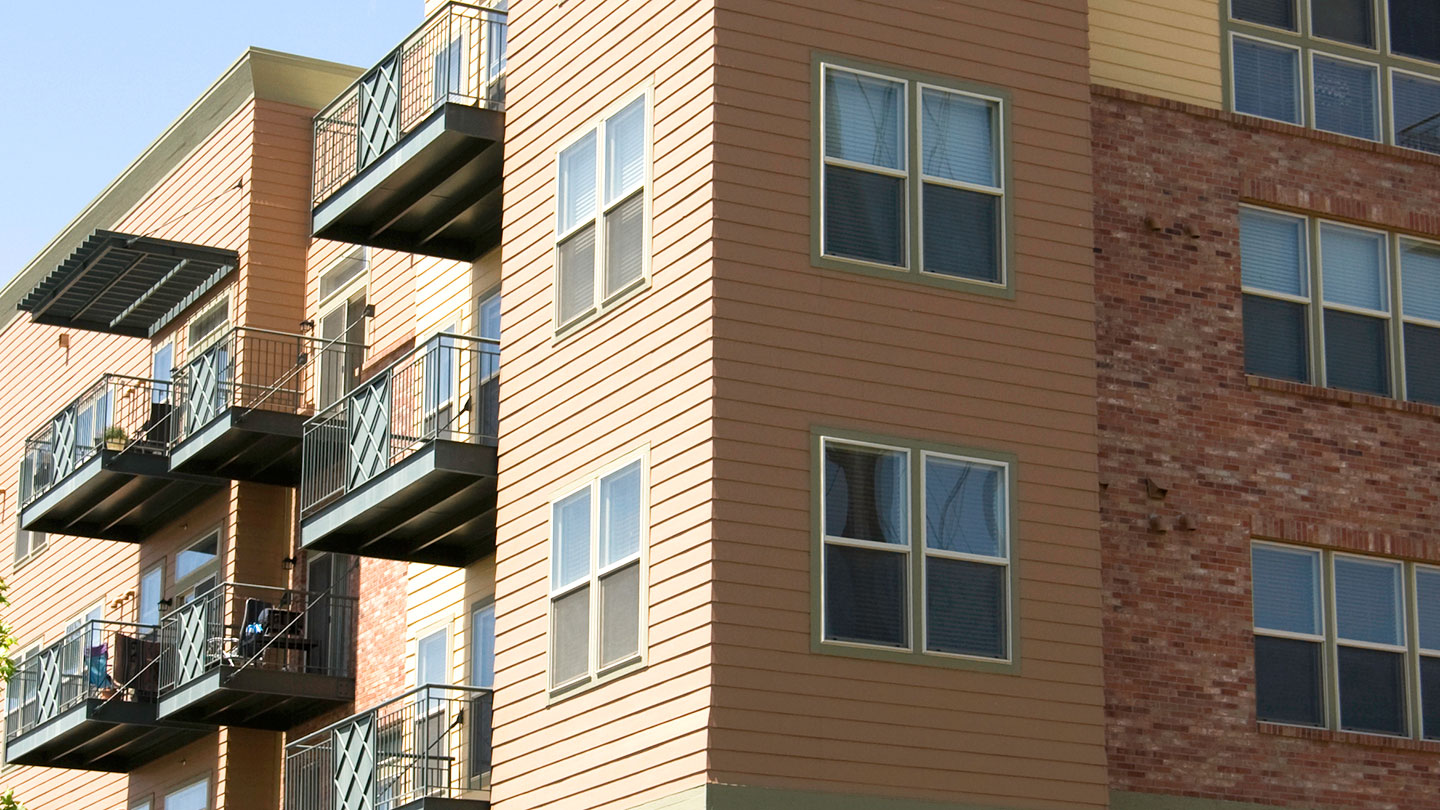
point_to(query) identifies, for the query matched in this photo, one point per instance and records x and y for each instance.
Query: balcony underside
(434, 803)
(256, 698)
(260, 446)
(93, 736)
(114, 495)
(436, 192)
(437, 506)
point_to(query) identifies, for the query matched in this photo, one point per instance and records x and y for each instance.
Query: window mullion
(914, 197)
(1316, 310)
(1396, 326)
(593, 631)
(1414, 713)
(598, 294)
(918, 620)
(1331, 657)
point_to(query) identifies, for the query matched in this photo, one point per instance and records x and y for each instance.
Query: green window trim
(912, 270)
(917, 451)
(1388, 67)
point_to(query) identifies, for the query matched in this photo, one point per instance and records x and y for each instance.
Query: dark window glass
(1417, 112)
(1415, 28)
(1275, 344)
(866, 494)
(1351, 21)
(962, 233)
(1347, 97)
(1288, 682)
(1430, 696)
(1372, 691)
(864, 216)
(964, 607)
(1422, 355)
(865, 596)
(1277, 13)
(1356, 357)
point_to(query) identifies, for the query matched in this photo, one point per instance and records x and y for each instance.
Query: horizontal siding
(1168, 48)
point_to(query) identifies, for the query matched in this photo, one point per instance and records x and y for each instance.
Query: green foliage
(7, 643)
(9, 802)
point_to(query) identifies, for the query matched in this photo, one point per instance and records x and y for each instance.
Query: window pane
(1347, 97)
(1415, 28)
(1351, 21)
(570, 560)
(866, 494)
(1420, 279)
(1422, 351)
(624, 244)
(1356, 355)
(147, 608)
(430, 659)
(959, 138)
(1372, 691)
(864, 216)
(1275, 342)
(197, 556)
(1353, 268)
(1288, 681)
(863, 117)
(577, 184)
(1286, 589)
(625, 151)
(620, 515)
(1368, 601)
(1417, 111)
(482, 646)
(964, 507)
(865, 596)
(1272, 252)
(1427, 600)
(962, 233)
(1430, 696)
(965, 607)
(1276, 13)
(620, 615)
(1267, 80)
(193, 797)
(577, 275)
(571, 632)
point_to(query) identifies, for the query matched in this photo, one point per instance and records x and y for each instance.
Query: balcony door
(342, 326)
(487, 378)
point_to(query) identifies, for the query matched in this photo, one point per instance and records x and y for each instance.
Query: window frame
(35, 542)
(473, 647)
(918, 552)
(182, 586)
(180, 787)
(600, 303)
(1331, 643)
(915, 83)
(1385, 62)
(220, 303)
(596, 673)
(447, 666)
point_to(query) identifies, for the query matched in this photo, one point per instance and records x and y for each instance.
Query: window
(342, 325)
(195, 796)
(1333, 646)
(602, 199)
(197, 568)
(915, 549)
(432, 654)
(149, 594)
(441, 353)
(938, 211)
(1336, 66)
(34, 464)
(597, 534)
(482, 644)
(207, 327)
(22, 692)
(487, 380)
(162, 369)
(1328, 320)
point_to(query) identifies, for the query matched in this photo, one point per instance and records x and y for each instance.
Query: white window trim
(600, 304)
(347, 290)
(1379, 72)
(1301, 75)
(182, 786)
(448, 668)
(594, 674)
(158, 566)
(471, 648)
(222, 301)
(214, 568)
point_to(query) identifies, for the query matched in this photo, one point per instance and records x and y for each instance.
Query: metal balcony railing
(1423, 135)
(114, 661)
(260, 627)
(118, 412)
(456, 56)
(446, 388)
(432, 742)
(257, 369)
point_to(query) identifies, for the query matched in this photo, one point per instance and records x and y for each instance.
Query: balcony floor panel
(92, 736)
(117, 495)
(434, 803)
(437, 506)
(259, 446)
(257, 698)
(436, 193)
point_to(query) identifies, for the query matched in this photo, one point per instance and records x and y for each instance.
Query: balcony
(101, 466)
(409, 157)
(241, 405)
(428, 748)
(257, 657)
(403, 467)
(89, 702)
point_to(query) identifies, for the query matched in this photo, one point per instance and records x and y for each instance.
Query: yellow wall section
(1168, 48)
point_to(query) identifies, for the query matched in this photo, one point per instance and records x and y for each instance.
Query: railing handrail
(87, 627)
(304, 743)
(259, 330)
(232, 585)
(88, 392)
(408, 356)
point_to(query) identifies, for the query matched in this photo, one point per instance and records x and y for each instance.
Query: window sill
(565, 693)
(568, 331)
(898, 656)
(1004, 290)
(1350, 738)
(26, 560)
(1341, 396)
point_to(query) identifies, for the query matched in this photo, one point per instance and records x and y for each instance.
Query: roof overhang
(126, 285)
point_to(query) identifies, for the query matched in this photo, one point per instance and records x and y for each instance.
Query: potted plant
(115, 438)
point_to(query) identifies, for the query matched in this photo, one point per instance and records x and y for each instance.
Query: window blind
(1267, 80)
(1417, 111)
(959, 138)
(962, 233)
(1286, 589)
(1353, 268)
(1357, 357)
(1351, 21)
(620, 515)
(1275, 341)
(1276, 13)
(964, 607)
(1415, 28)
(863, 117)
(963, 507)
(865, 596)
(866, 494)
(1347, 97)
(1272, 252)
(1420, 279)
(1369, 601)
(1427, 601)
(570, 557)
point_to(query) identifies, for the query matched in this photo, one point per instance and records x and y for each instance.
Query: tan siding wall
(640, 374)
(1168, 48)
(798, 347)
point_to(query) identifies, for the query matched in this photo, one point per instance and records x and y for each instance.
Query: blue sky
(86, 85)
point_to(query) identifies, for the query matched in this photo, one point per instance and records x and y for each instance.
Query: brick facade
(1241, 456)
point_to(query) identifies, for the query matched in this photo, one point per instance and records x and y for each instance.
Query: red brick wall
(1241, 456)
(380, 647)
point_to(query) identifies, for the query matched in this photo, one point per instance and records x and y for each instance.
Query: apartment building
(1265, 256)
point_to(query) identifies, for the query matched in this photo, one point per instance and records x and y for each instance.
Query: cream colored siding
(1168, 48)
